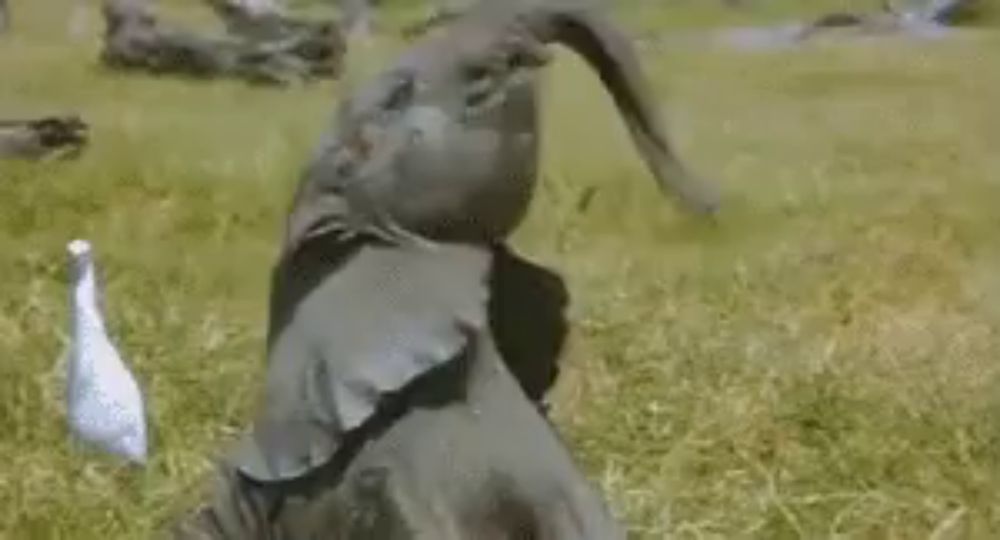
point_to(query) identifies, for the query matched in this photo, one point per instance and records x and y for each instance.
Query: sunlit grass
(822, 362)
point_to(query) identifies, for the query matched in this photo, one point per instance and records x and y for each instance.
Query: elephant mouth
(321, 217)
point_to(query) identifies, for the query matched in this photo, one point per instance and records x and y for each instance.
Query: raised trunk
(611, 55)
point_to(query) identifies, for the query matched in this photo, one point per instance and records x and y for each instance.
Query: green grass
(822, 363)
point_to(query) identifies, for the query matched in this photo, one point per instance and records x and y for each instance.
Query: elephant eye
(517, 59)
(401, 94)
(475, 73)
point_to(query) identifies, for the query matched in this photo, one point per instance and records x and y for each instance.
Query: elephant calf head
(444, 143)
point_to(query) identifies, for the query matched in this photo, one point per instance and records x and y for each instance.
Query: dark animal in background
(43, 138)
(921, 19)
(401, 398)
(929, 18)
(259, 25)
(945, 12)
(136, 40)
(319, 42)
(4, 16)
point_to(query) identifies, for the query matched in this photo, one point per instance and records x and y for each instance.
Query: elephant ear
(347, 331)
(591, 34)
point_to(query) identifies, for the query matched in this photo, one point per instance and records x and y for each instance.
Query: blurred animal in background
(43, 138)
(926, 18)
(946, 12)
(319, 42)
(356, 19)
(256, 21)
(103, 402)
(4, 16)
(136, 40)
(909, 18)
(916, 18)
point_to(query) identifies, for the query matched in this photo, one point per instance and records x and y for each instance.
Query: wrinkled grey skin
(460, 452)
(318, 42)
(42, 138)
(135, 40)
(408, 348)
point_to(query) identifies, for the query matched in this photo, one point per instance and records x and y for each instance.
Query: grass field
(824, 362)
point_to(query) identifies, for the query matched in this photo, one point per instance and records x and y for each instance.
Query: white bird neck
(86, 311)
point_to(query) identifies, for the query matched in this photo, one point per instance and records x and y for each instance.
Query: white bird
(104, 404)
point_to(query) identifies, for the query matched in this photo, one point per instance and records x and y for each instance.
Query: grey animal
(271, 25)
(43, 138)
(458, 452)
(319, 42)
(916, 18)
(929, 18)
(944, 12)
(404, 375)
(135, 40)
(253, 24)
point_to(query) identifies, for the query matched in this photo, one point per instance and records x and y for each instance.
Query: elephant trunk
(591, 35)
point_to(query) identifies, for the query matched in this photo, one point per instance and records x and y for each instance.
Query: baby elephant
(408, 348)
(136, 40)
